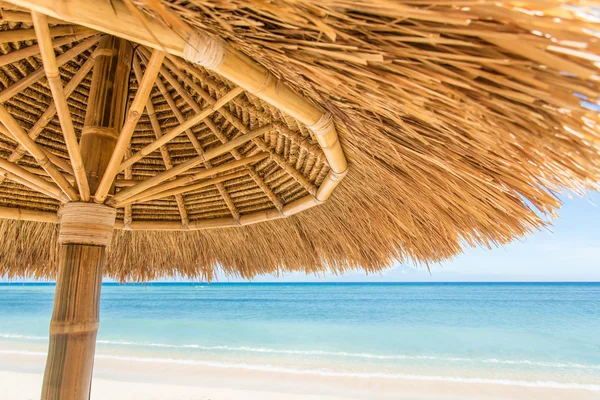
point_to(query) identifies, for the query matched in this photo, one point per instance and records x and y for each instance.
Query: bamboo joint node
(323, 126)
(269, 78)
(204, 50)
(86, 223)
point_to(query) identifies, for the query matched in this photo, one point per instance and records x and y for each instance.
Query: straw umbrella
(141, 139)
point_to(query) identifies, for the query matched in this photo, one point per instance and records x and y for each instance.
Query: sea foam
(324, 353)
(334, 373)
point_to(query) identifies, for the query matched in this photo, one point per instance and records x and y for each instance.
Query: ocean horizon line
(283, 283)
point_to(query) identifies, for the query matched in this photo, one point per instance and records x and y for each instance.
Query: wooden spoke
(195, 177)
(127, 212)
(34, 49)
(173, 133)
(32, 181)
(236, 154)
(207, 172)
(164, 152)
(196, 107)
(18, 35)
(190, 188)
(40, 72)
(24, 140)
(59, 162)
(51, 110)
(60, 100)
(133, 115)
(191, 163)
(22, 16)
(235, 121)
(165, 93)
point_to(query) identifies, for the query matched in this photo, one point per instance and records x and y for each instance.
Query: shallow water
(539, 334)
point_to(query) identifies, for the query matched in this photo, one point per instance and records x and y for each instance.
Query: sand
(21, 379)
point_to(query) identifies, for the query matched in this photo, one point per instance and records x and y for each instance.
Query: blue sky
(570, 252)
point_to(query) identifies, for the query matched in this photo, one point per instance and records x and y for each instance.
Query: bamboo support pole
(34, 50)
(42, 30)
(106, 106)
(133, 115)
(24, 140)
(38, 74)
(85, 231)
(191, 163)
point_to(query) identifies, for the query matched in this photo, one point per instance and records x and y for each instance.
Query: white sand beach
(21, 379)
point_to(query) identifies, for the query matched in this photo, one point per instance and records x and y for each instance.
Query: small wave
(334, 373)
(26, 337)
(325, 353)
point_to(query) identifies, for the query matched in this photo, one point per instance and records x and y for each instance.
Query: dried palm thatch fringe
(461, 120)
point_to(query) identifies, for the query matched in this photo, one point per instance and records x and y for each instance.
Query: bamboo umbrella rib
(189, 133)
(34, 49)
(20, 214)
(257, 179)
(225, 60)
(133, 115)
(195, 177)
(251, 170)
(23, 139)
(46, 117)
(167, 137)
(23, 16)
(208, 155)
(51, 110)
(234, 120)
(18, 35)
(38, 74)
(127, 212)
(164, 152)
(32, 181)
(15, 178)
(59, 162)
(183, 189)
(173, 82)
(178, 67)
(60, 100)
(186, 96)
(236, 154)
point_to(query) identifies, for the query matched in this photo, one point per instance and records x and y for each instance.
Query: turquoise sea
(527, 334)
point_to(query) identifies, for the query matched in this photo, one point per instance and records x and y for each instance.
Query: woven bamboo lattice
(461, 121)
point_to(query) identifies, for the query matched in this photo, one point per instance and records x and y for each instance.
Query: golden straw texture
(461, 122)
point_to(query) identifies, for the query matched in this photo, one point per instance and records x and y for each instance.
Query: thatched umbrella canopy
(145, 138)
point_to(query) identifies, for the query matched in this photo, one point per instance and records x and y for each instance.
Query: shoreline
(124, 377)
